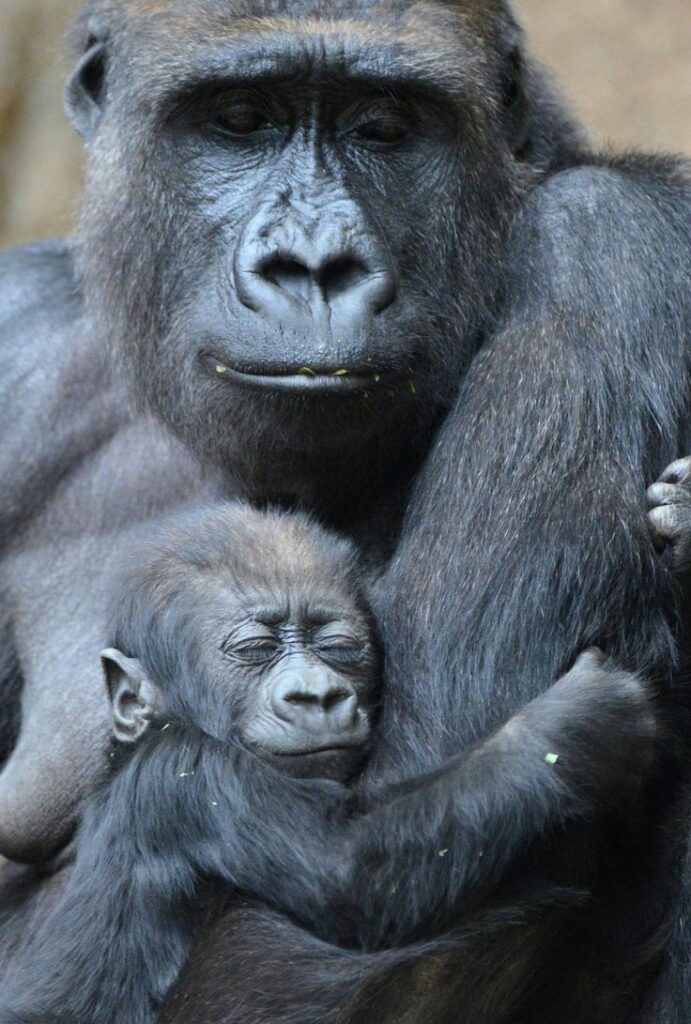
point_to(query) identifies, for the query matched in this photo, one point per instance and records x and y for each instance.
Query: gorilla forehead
(244, 548)
(438, 37)
(476, 12)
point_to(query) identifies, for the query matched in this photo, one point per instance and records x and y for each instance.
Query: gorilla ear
(86, 90)
(134, 698)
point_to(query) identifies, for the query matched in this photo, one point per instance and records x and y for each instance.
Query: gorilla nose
(316, 701)
(313, 281)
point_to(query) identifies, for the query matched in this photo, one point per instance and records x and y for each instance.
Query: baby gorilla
(243, 678)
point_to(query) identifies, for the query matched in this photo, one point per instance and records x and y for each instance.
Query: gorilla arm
(576, 401)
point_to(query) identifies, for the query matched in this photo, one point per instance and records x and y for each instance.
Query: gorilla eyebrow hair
(260, 58)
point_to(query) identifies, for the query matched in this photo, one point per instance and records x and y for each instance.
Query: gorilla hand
(670, 511)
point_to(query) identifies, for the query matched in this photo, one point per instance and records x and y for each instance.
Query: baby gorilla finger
(667, 494)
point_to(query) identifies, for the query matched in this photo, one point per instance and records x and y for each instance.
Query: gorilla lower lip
(300, 382)
(304, 380)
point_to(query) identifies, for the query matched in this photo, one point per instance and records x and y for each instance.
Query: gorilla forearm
(113, 944)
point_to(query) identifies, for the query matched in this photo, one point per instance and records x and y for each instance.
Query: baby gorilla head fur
(251, 626)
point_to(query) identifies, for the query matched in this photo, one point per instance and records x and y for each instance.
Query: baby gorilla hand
(670, 511)
(598, 729)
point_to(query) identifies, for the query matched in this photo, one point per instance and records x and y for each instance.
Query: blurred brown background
(624, 64)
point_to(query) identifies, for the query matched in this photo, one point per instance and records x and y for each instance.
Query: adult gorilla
(299, 229)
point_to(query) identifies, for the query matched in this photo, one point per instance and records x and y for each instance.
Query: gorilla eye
(254, 651)
(383, 123)
(384, 131)
(239, 120)
(342, 650)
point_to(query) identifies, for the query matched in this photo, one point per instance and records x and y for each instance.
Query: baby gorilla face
(309, 679)
(253, 626)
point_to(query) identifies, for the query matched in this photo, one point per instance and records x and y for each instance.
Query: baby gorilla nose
(316, 701)
(316, 727)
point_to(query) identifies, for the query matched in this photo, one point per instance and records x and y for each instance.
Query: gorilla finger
(667, 494)
(592, 658)
(678, 472)
(668, 523)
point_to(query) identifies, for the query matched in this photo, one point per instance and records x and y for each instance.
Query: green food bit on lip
(413, 389)
(306, 371)
(340, 373)
(376, 378)
(551, 758)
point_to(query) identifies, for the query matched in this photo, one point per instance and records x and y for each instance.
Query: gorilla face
(291, 221)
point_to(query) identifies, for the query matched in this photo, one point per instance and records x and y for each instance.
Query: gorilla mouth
(345, 748)
(299, 380)
(335, 762)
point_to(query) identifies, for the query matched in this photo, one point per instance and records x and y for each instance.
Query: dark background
(624, 64)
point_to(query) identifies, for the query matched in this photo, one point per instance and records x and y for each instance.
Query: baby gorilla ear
(134, 698)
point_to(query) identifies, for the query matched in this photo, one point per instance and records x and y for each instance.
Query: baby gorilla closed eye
(255, 627)
(242, 656)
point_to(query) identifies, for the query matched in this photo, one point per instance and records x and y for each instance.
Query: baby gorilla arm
(187, 806)
(437, 848)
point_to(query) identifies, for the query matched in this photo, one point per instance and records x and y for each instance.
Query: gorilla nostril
(290, 276)
(341, 275)
(335, 697)
(335, 278)
(327, 700)
(301, 697)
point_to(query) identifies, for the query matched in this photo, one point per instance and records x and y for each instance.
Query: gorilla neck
(349, 491)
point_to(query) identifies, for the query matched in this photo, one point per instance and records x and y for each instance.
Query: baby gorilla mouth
(314, 752)
(339, 763)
